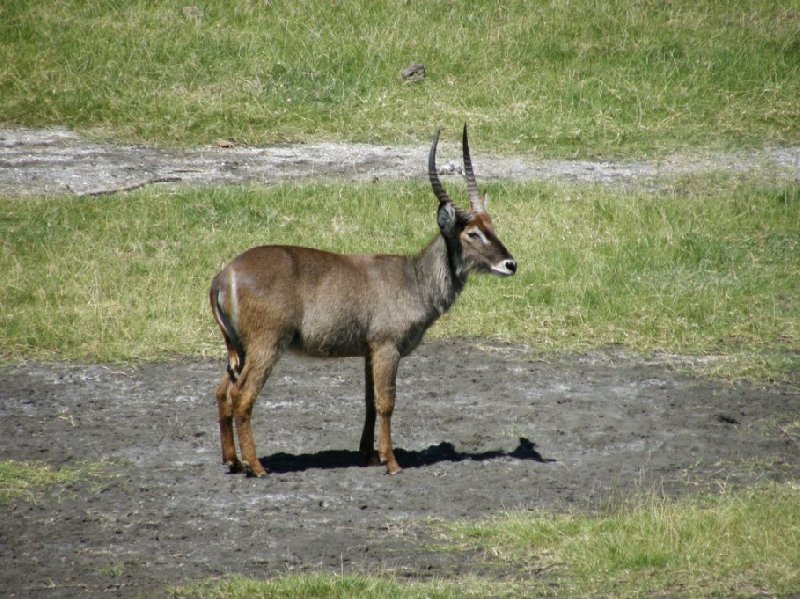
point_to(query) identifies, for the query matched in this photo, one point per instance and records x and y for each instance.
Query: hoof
(251, 472)
(372, 459)
(234, 466)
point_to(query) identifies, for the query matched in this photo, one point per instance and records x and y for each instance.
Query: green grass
(579, 78)
(28, 479)
(745, 543)
(330, 586)
(714, 270)
(711, 270)
(737, 544)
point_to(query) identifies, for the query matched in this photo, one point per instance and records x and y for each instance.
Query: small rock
(193, 13)
(451, 167)
(725, 419)
(413, 73)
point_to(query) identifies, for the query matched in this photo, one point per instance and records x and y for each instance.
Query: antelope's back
(317, 303)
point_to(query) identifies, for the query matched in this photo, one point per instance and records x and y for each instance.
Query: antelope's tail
(236, 351)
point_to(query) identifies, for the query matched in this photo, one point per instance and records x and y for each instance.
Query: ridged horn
(475, 202)
(438, 190)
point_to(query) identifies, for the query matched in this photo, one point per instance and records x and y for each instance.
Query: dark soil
(479, 429)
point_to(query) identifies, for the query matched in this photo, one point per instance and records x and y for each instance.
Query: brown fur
(276, 298)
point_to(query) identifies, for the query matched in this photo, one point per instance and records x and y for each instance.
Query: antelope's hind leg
(243, 394)
(225, 407)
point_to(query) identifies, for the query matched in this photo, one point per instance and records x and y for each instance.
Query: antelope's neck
(440, 274)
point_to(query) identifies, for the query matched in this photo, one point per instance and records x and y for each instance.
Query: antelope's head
(471, 231)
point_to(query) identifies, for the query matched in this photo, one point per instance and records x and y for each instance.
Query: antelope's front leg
(367, 445)
(384, 373)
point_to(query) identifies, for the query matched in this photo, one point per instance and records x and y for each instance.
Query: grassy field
(735, 544)
(710, 269)
(331, 586)
(713, 271)
(558, 78)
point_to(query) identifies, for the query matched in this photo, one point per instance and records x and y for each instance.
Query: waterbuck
(276, 298)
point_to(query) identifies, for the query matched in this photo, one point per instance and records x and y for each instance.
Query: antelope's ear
(447, 219)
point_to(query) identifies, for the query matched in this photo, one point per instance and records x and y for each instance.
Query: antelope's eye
(474, 235)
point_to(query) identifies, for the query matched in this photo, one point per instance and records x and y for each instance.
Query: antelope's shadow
(279, 463)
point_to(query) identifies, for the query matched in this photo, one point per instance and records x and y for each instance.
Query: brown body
(276, 298)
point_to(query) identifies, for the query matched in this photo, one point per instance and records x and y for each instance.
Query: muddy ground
(479, 427)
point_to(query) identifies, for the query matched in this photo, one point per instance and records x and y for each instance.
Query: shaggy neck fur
(441, 273)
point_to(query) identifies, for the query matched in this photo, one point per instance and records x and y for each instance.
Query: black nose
(511, 265)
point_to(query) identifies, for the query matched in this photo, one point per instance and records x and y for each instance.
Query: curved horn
(438, 190)
(475, 201)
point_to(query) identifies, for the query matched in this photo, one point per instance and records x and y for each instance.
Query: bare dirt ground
(479, 427)
(59, 161)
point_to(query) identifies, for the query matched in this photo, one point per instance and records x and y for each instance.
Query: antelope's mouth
(506, 268)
